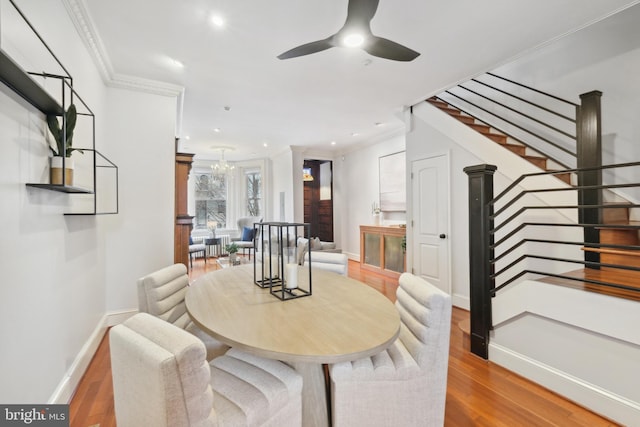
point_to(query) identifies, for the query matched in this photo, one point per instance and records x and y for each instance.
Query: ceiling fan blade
(361, 12)
(307, 49)
(387, 49)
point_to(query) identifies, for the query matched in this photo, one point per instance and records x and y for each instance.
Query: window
(254, 192)
(211, 200)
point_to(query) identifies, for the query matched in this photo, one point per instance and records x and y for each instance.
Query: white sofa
(331, 261)
(302, 246)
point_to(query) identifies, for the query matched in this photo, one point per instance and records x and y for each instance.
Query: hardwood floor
(479, 393)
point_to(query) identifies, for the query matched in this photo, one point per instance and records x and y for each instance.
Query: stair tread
(480, 127)
(464, 119)
(499, 138)
(565, 177)
(449, 110)
(630, 252)
(624, 277)
(622, 222)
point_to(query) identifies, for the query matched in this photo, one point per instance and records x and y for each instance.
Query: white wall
(580, 350)
(53, 288)
(63, 275)
(282, 181)
(139, 240)
(604, 57)
(358, 187)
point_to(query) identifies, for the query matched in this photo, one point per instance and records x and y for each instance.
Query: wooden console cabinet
(381, 249)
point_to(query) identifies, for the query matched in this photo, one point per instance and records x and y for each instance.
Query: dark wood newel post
(480, 254)
(589, 154)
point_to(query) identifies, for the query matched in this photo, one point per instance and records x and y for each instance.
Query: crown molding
(79, 14)
(156, 87)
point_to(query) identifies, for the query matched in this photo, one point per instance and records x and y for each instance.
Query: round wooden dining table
(341, 320)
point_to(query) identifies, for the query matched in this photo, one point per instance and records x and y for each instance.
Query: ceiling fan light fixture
(353, 40)
(356, 32)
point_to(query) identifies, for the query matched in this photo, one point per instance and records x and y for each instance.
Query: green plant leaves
(62, 143)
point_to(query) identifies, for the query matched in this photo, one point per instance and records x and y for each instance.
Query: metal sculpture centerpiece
(278, 264)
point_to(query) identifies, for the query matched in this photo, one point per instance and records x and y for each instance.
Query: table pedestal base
(315, 411)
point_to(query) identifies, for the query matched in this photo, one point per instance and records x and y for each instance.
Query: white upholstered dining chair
(405, 385)
(161, 294)
(161, 379)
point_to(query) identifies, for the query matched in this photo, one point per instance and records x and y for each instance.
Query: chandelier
(222, 167)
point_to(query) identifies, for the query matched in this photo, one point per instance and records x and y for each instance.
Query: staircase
(617, 214)
(535, 158)
(624, 237)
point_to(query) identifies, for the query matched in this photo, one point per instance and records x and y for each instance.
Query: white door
(430, 205)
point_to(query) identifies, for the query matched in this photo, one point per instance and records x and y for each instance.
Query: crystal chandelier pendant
(222, 167)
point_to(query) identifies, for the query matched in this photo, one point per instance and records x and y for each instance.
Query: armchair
(196, 248)
(247, 237)
(405, 385)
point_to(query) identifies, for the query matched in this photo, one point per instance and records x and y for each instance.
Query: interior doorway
(318, 198)
(430, 189)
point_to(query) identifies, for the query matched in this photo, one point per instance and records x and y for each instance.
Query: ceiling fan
(356, 32)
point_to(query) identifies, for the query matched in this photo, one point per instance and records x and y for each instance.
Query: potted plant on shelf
(232, 248)
(64, 139)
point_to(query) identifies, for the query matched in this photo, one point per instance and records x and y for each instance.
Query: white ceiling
(312, 100)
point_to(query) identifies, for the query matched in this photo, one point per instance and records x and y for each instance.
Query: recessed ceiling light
(265, 145)
(353, 40)
(187, 137)
(216, 130)
(217, 20)
(333, 143)
(177, 63)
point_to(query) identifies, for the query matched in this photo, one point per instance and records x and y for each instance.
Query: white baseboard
(67, 386)
(600, 401)
(117, 317)
(352, 256)
(461, 301)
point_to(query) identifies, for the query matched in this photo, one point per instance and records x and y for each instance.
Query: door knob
(442, 236)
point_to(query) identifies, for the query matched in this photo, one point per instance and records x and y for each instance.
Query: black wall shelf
(12, 75)
(22, 83)
(62, 188)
